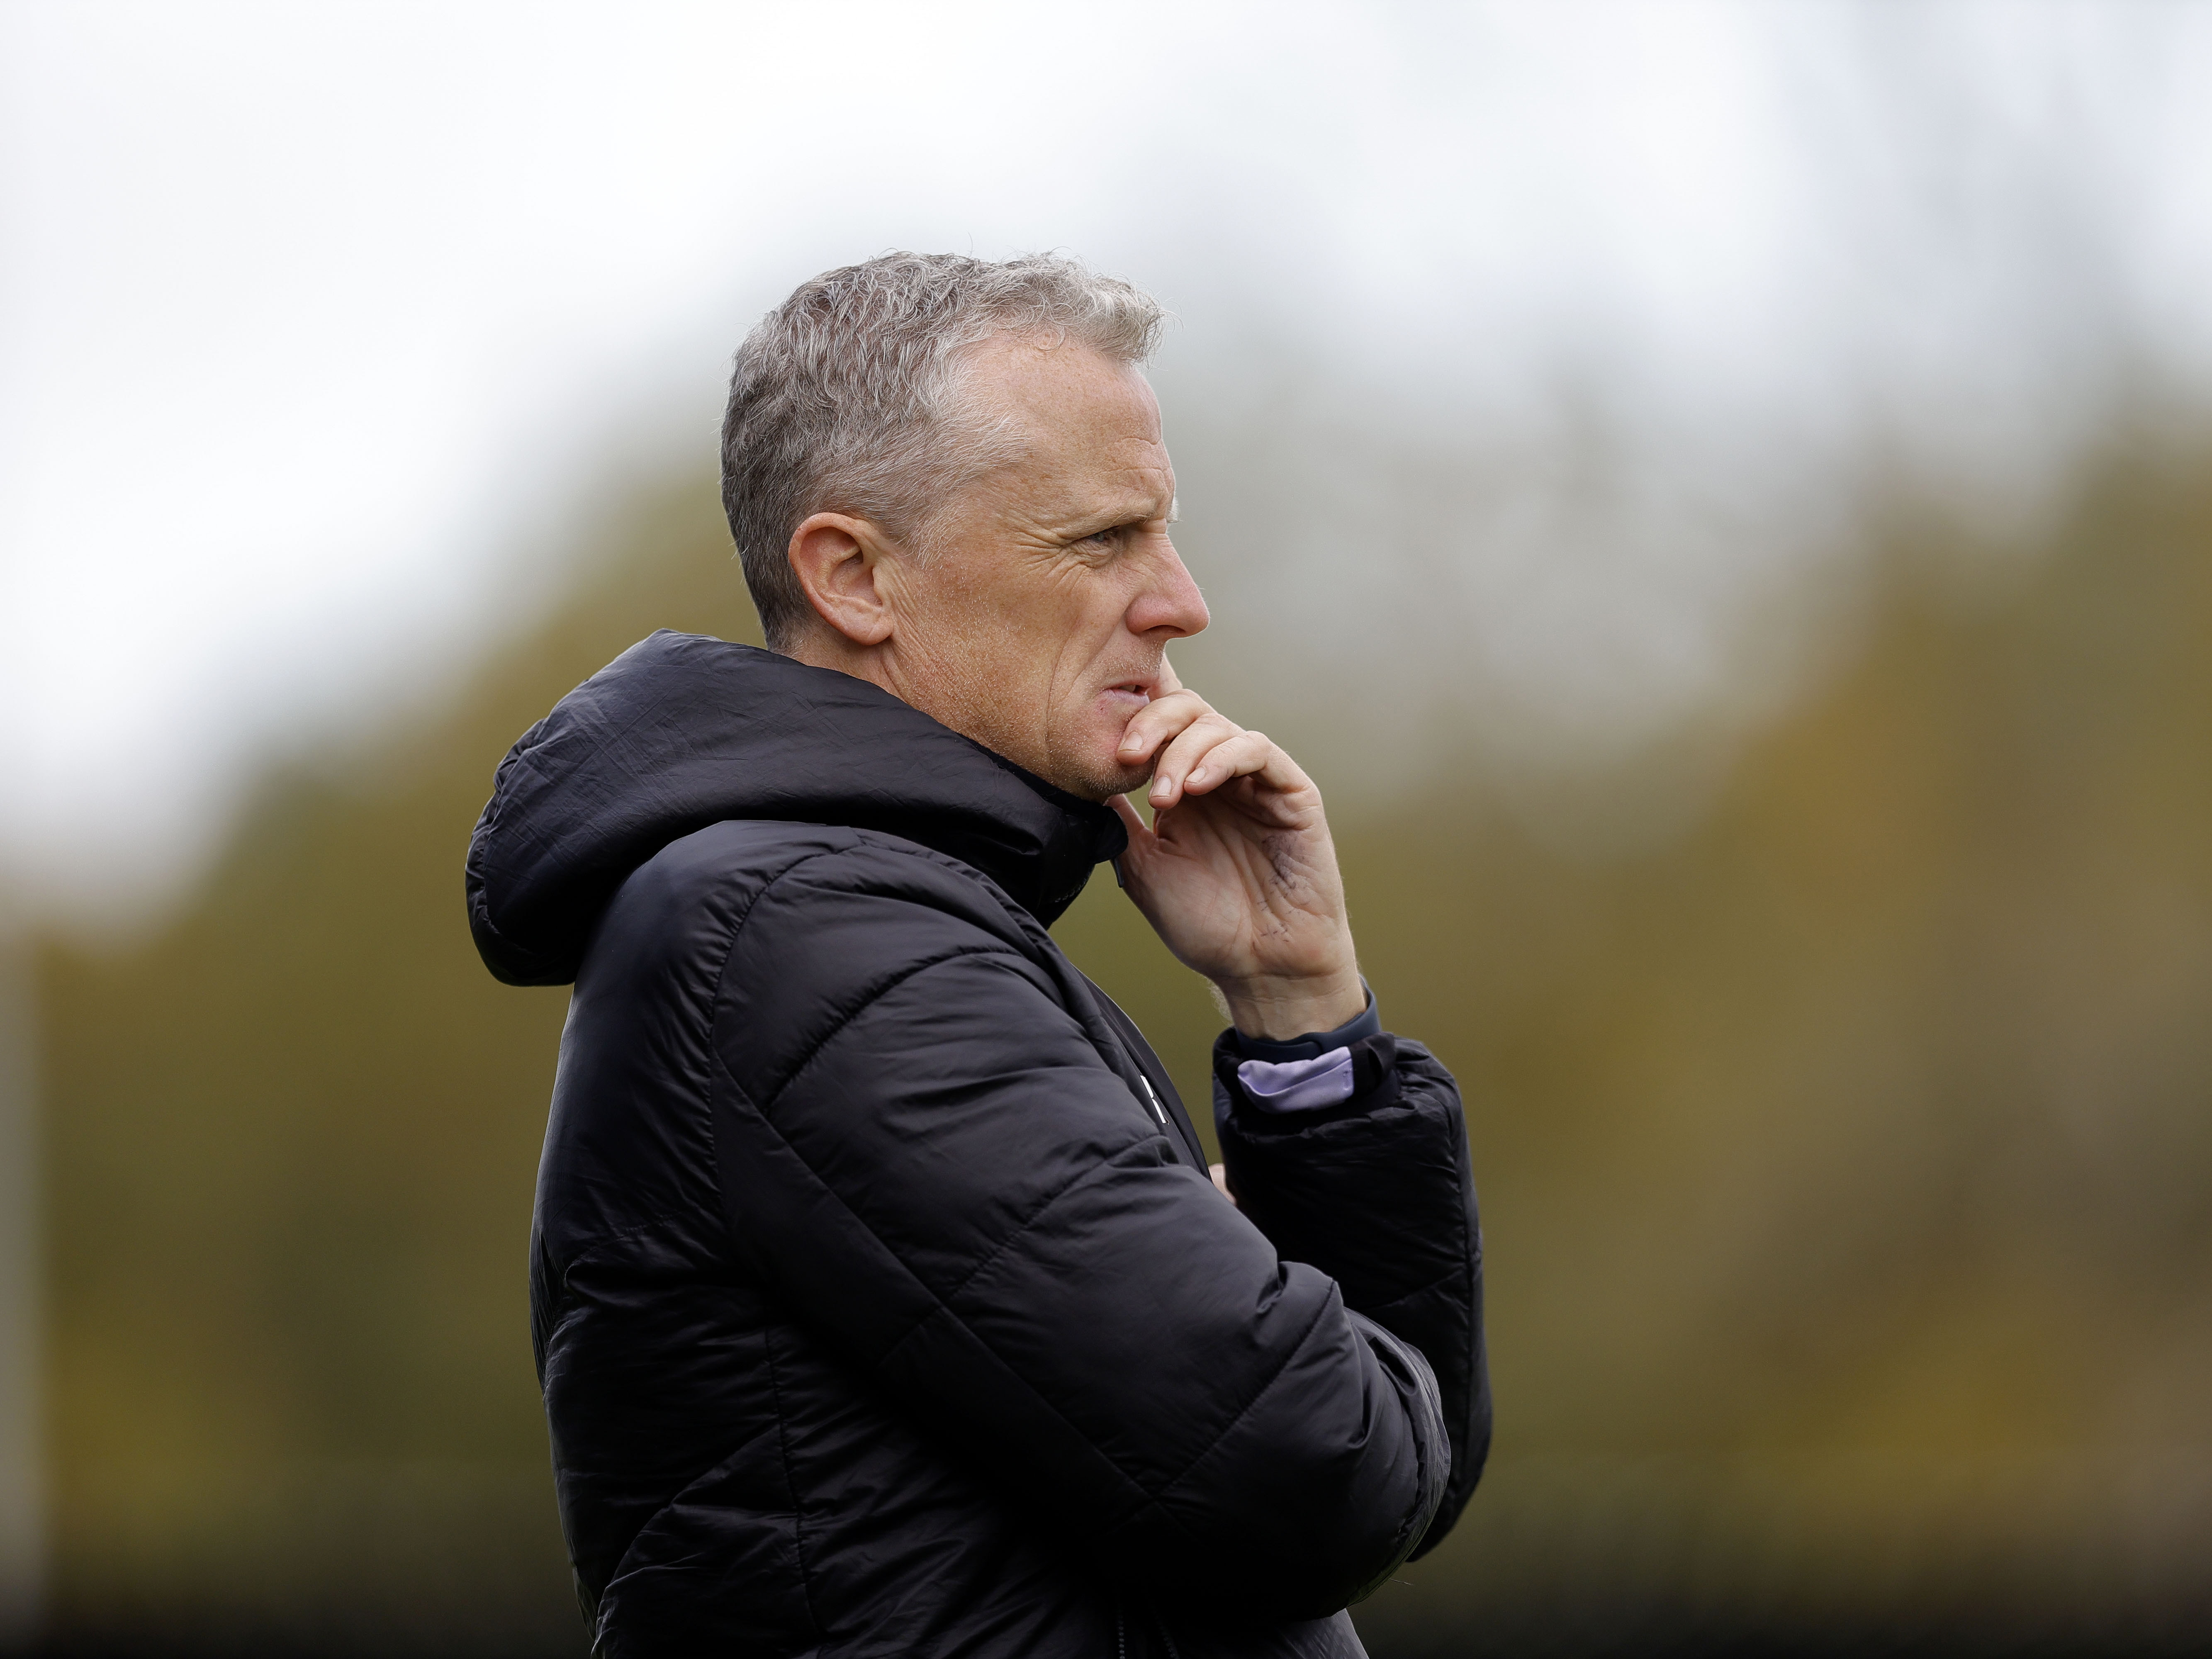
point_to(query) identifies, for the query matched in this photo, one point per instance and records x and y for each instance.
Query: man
(882, 1301)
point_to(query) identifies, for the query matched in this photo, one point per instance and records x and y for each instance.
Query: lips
(1120, 702)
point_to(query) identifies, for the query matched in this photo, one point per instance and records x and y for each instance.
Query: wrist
(1276, 1008)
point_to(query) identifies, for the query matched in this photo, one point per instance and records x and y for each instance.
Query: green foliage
(1866, 1119)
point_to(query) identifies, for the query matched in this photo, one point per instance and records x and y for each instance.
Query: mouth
(1130, 694)
(1122, 699)
(1133, 689)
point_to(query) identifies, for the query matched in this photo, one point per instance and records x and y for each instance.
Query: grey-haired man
(883, 1303)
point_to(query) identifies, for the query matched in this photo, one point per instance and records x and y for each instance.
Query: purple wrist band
(1299, 1086)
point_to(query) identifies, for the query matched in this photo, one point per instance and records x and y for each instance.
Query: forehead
(1088, 424)
(1061, 384)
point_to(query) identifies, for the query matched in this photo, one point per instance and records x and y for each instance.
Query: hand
(1238, 873)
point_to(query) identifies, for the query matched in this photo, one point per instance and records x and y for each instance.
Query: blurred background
(1719, 494)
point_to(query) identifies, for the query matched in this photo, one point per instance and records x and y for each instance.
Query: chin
(1100, 781)
(1086, 760)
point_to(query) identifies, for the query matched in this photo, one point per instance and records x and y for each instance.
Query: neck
(912, 682)
(950, 701)
(822, 647)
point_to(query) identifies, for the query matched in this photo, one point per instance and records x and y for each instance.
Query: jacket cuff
(1314, 1044)
(1368, 1066)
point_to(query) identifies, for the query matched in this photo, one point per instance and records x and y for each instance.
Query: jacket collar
(683, 731)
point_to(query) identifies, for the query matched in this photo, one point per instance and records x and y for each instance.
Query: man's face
(1037, 626)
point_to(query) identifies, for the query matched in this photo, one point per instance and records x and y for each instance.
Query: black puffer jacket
(882, 1303)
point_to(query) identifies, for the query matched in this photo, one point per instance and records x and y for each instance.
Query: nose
(1169, 601)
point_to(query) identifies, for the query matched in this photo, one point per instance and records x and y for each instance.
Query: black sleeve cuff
(1314, 1044)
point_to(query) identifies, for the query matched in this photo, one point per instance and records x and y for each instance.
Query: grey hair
(846, 398)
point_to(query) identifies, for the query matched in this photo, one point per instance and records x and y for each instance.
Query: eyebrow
(1100, 526)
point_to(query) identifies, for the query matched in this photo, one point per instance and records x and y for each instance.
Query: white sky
(310, 317)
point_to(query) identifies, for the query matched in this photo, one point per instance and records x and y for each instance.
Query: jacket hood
(683, 731)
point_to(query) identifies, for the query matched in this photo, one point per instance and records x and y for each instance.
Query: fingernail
(1199, 776)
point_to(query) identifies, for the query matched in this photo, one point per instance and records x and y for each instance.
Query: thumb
(1140, 832)
(1133, 870)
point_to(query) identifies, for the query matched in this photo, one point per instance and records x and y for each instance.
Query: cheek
(974, 625)
(1007, 648)
(1085, 711)
(1092, 644)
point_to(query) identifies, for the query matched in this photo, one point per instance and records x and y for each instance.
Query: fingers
(1194, 749)
(1158, 722)
(1194, 746)
(1205, 753)
(1201, 761)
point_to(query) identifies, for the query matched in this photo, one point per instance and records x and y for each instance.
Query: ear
(838, 560)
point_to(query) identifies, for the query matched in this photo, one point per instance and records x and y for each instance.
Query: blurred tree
(294, 1137)
(1864, 1120)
